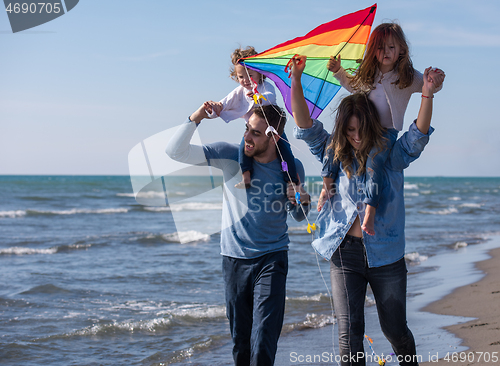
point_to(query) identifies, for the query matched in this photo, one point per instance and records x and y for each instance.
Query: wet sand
(481, 301)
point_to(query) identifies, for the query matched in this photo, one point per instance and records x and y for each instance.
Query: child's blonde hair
(365, 76)
(237, 55)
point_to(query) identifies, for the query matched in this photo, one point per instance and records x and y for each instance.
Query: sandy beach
(481, 301)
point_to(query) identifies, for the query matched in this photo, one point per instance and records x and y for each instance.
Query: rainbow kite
(346, 36)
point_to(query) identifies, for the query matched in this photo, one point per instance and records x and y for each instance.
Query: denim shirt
(338, 214)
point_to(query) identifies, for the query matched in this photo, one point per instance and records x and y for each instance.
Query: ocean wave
(177, 237)
(415, 258)
(46, 289)
(189, 206)
(147, 194)
(185, 236)
(459, 244)
(177, 357)
(165, 319)
(12, 214)
(471, 205)
(71, 247)
(36, 198)
(316, 297)
(52, 250)
(312, 321)
(369, 301)
(26, 251)
(152, 194)
(446, 211)
(76, 211)
(195, 311)
(455, 198)
(150, 326)
(410, 186)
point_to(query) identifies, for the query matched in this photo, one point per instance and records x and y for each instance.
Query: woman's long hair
(364, 78)
(370, 132)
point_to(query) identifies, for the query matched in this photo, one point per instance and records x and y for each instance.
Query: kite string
(330, 298)
(305, 215)
(281, 137)
(281, 156)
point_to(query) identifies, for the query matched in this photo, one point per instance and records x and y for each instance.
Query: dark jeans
(255, 306)
(350, 276)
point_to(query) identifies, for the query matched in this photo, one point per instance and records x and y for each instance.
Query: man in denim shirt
(254, 238)
(358, 259)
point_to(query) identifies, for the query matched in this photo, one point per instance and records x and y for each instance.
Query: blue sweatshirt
(253, 220)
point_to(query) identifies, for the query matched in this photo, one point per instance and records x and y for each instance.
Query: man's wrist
(195, 119)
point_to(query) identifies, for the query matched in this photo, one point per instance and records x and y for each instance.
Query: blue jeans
(350, 275)
(255, 306)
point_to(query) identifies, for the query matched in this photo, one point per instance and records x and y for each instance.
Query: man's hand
(200, 114)
(305, 198)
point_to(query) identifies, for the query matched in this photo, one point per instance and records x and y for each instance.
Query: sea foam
(415, 258)
(76, 211)
(12, 214)
(185, 236)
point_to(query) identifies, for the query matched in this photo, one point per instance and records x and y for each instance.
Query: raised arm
(299, 106)
(425, 113)
(411, 144)
(199, 114)
(179, 147)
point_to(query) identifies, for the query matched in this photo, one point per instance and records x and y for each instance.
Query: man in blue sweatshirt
(254, 238)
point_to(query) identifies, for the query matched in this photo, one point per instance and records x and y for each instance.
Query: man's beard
(257, 150)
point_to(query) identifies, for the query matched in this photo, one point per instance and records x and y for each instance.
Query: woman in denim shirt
(356, 259)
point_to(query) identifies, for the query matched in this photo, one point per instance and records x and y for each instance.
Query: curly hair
(364, 78)
(370, 131)
(237, 55)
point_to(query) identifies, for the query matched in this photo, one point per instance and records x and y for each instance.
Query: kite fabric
(346, 36)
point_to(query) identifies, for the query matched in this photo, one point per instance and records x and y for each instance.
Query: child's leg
(375, 180)
(287, 154)
(246, 164)
(327, 191)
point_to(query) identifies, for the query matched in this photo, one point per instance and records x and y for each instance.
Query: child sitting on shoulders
(240, 103)
(387, 74)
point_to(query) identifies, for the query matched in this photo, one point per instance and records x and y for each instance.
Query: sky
(79, 92)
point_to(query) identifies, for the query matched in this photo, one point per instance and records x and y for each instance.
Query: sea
(91, 275)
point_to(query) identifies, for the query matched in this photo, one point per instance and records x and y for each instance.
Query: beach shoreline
(481, 335)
